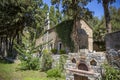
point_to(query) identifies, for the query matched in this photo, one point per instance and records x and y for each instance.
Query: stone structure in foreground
(84, 65)
(113, 49)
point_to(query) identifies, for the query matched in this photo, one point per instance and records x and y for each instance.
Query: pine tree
(58, 16)
(53, 20)
(105, 4)
(15, 16)
(115, 18)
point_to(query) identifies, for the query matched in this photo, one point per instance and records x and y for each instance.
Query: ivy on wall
(64, 30)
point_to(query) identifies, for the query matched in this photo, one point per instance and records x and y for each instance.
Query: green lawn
(10, 72)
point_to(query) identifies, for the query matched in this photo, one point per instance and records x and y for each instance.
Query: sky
(96, 8)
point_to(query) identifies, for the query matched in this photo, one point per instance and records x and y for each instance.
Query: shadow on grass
(4, 61)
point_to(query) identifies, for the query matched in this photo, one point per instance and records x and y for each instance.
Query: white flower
(27, 51)
(26, 57)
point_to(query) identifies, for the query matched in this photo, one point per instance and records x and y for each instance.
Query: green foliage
(20, 13)
(30, 63)
(115, 18)
(46, 61)
(27, 45)
(54, 51)
(27, 48)
(54, 73)
(64, 30)
(12, 15)
(62, 62)
(46, 9)
(111, 73)
(75, 9)
(62, 52)
(55, 16)
(58, 16)
(99, 30)
(15, 15)
(9, 72)
(52, 17)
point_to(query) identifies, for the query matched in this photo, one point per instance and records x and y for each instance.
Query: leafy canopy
(17, 14)
(74, 8)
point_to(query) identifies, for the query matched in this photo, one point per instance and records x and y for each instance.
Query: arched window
(73, 60)
(59, 46)
(93, 63)
(51, 45)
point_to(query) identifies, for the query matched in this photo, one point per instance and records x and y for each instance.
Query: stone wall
(93, 60)
(113, 57)
(113, 41)
(56, 59)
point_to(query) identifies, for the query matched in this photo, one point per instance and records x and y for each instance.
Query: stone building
(85, 35)
(84, 65)
(113, 41)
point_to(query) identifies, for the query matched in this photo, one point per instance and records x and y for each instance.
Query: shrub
(54, 73)
(111, 73)
(54, 51)
(26, 49)
(62, 52)
(46, 61)
(31, 63)
(62, 61)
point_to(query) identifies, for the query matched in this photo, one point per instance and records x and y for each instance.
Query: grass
(10, 72)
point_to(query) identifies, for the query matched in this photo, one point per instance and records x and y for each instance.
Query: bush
(46, 61)
(62, 62)
(54, 73)
(54, 51)
(31, 63)
(111, 73)
(62, 52)
(26, 49)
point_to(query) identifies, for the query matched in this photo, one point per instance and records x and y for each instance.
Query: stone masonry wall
(93, 60)
(113, 41)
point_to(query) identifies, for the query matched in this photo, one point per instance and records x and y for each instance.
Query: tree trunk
(0, 47)
(107, 16)
(3, 48)
(75, 36)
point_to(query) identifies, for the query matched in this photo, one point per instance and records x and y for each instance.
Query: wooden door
(78, 77)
